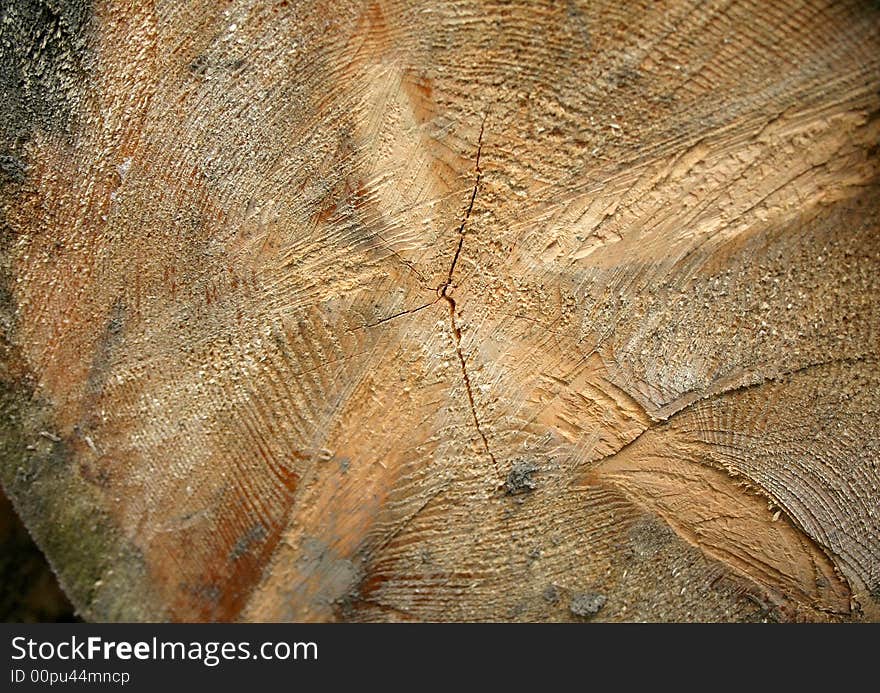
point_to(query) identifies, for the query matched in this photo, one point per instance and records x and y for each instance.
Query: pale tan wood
(445, 311)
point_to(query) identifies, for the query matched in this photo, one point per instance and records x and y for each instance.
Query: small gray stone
(551, 594)
(519, 479)
(587, 604)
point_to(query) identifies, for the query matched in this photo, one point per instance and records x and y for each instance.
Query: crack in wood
(442, 292)
(456, 332)
(396, 315)
(478, 173)
(745, 481)
(712, 395)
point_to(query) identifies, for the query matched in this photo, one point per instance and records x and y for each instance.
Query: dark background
(29, 591)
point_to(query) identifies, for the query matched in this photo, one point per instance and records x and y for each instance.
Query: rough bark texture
(469, 310)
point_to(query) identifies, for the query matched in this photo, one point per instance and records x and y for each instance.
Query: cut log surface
(444, 311)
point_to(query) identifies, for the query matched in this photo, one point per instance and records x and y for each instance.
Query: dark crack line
(396, 315)
(692, 398)
(441, 292)
(456, 332)
(750, 483)
(714, 395)
(444, 288)
(478, 174)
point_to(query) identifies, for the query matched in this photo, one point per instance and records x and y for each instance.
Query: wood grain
(444, 311)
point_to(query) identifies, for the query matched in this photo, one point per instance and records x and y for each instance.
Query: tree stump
(445, 311)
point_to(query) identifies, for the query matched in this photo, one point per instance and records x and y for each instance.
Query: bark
(444, 311)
